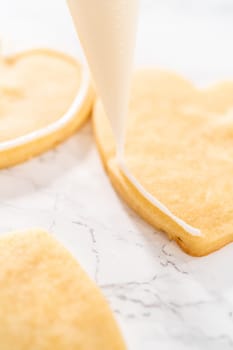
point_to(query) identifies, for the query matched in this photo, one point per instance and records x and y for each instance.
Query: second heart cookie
(179, 150)
(44, 97)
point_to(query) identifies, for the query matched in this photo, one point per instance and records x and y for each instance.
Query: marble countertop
(162, 298)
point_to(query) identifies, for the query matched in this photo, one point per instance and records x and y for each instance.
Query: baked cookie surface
(44, 97)
(179, 147)
(47, 301)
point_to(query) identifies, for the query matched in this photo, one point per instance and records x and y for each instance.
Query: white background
(162, 298)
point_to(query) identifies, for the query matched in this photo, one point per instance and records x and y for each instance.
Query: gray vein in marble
(94, 247)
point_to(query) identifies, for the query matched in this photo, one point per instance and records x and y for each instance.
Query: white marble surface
(162, 298)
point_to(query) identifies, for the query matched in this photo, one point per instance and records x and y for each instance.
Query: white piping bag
(107, 31)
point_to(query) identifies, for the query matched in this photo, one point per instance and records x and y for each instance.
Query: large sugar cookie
(47, 302)
(179, 148)
(44, 97)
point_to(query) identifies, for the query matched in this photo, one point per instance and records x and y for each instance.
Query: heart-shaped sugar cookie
(179, 149)
(47, 302)
(44, 97)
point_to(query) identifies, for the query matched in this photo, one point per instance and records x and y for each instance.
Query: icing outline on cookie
(58, 124)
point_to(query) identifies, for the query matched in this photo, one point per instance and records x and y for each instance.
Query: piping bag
(107, 31)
